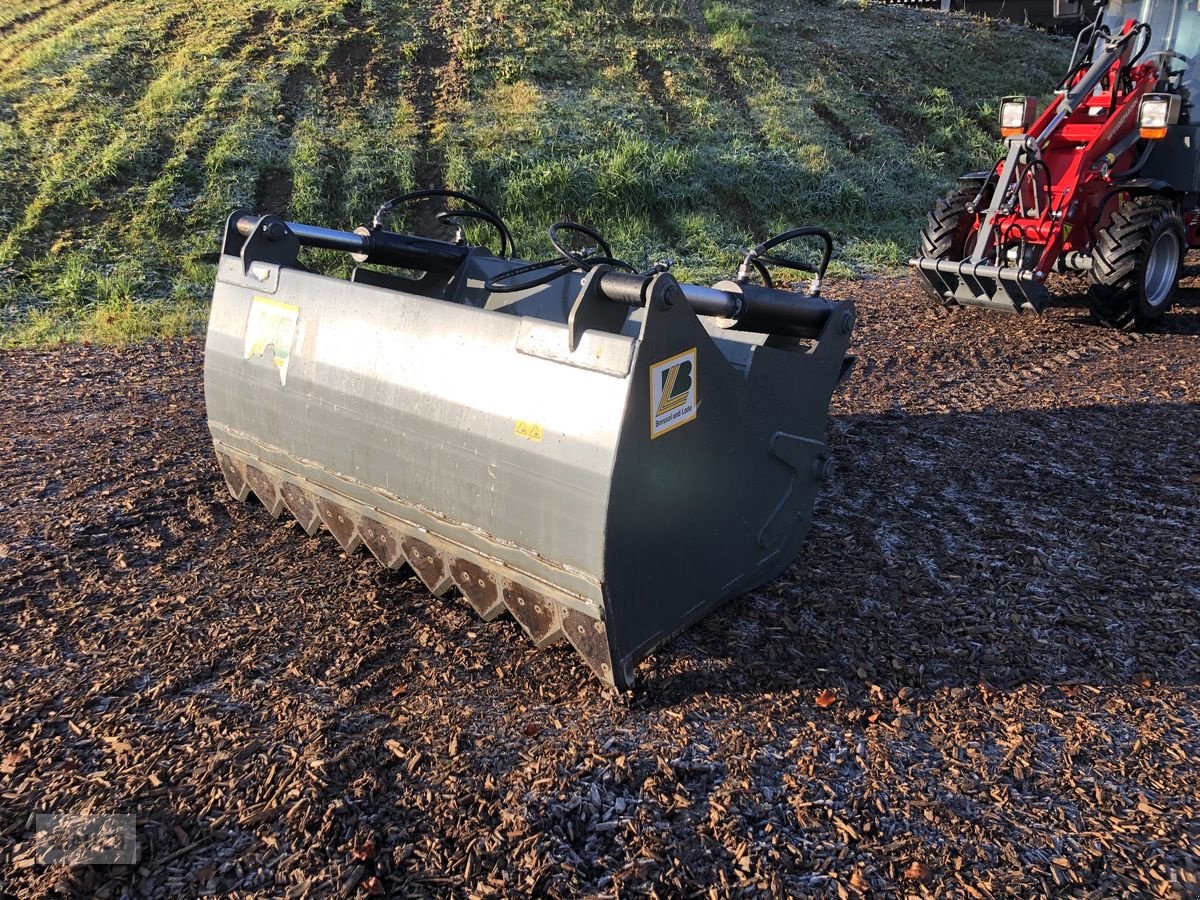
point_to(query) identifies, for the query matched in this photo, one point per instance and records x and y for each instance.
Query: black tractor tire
(1137, 258)
(945, 233)
(946, 228)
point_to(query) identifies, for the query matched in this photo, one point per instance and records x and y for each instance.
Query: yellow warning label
(673, 393)
(271, 326)
(529, 430)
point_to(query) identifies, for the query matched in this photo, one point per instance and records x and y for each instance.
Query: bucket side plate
(434, 434)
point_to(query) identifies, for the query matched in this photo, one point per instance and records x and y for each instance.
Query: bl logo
(676, 386)
(673, 393)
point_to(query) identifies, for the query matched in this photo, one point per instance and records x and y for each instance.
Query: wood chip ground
(979, 679)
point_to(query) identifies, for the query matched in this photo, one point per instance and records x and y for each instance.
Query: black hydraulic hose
(585, 262)
(454, 215)
(1145, 29)
(978, 202)
(760, 259)
(760, 252)
(568, 255)
(1120, 188)
(1137, 166)
(502, 285)
(567, 261)
(507, 245)
(1031, 169)
(763, 272)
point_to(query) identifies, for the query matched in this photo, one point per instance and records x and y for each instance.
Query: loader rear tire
(946, 230)
(1136, 262)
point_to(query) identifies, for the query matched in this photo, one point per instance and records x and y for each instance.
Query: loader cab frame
(1174, 29)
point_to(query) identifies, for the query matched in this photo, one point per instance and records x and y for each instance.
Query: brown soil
(26, 17)
(439, 82)
(980, 677)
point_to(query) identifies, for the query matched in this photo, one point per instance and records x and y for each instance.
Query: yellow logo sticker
(529, 430)
(673, 393)
(271, 326)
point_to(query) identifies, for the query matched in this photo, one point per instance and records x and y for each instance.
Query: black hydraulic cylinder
(380, 247)
(772, 311)
(741, 306)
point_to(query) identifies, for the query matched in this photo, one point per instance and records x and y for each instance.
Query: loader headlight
(1158, 113)
(1017, 114)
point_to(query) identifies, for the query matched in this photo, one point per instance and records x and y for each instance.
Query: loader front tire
(946, 230)
(1136, 261)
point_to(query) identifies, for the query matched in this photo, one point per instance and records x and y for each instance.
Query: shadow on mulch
(1029, 547)
(1070, 292)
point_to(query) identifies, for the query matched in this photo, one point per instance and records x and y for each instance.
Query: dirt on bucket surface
(979, 678)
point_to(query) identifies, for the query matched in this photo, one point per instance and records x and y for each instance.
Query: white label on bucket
(672, 393)
(271, 326)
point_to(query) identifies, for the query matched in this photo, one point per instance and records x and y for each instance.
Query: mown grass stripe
(17, 48)
(14, 17)
(129, 130)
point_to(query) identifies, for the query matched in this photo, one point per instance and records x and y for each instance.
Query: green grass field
(130, 128)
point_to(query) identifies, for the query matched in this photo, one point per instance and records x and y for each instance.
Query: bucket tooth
(383, 542)
(590, 638)
(301, 505)
(341, 523)
(538, 615)
(266, 489)
(429, 564)
(235, 477)
(480, 587)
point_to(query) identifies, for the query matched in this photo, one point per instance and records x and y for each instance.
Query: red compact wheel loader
(1105, 180)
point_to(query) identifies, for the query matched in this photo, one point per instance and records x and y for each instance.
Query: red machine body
(1059, 215)
(1085, 186)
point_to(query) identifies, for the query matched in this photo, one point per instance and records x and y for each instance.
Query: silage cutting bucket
(590, 454)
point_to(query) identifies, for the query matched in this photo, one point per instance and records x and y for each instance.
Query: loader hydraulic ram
(605, 454)
(1104, 181)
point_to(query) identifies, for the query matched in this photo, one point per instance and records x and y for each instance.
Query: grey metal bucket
(608, 485)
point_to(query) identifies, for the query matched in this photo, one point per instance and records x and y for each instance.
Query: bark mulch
(979, 678)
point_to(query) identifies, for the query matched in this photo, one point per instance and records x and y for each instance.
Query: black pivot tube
(745, 306)
(748, 307)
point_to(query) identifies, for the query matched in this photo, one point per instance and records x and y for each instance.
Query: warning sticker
(529, 430)
(672, 393)
(271, 326)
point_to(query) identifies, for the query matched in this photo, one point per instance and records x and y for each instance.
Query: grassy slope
(130, 128)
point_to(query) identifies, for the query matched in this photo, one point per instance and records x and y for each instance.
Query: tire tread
(1118, 256)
